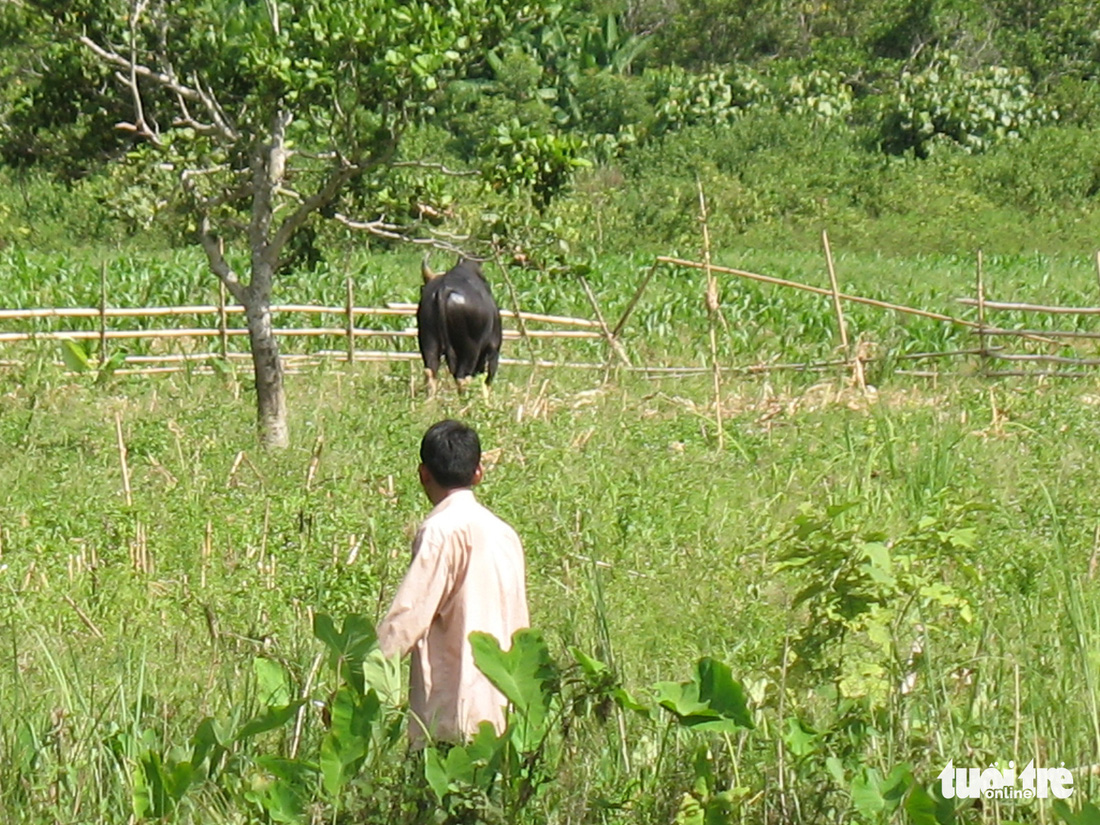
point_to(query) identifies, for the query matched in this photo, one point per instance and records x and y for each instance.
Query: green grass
(645, 546)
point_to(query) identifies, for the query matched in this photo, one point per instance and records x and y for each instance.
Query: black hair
(451, 451)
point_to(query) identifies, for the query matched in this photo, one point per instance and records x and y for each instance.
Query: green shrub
(945, 102)
(714, 98)
(1058, 168)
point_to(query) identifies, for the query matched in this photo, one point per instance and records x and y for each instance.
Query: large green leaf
(75, 356)
(281, 788)
(210, 741)
(474, 765)
(348, 740)
(348, 647)
(711, 701)
(273, 682)
(525, 675)
(1088, 815)
(270, 719)
(159, 786)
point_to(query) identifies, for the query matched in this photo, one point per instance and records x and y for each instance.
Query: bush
(946, 103)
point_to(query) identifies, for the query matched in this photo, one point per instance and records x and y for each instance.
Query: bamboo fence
(1047, 362)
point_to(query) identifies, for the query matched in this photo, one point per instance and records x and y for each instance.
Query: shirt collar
(461, 496)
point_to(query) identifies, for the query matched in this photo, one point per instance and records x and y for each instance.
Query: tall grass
(645, 547)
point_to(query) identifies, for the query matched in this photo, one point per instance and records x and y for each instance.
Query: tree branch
(311, 204)
(438, 167)
(268, 170)
(136, 70)
(215, 254)
(394, 232)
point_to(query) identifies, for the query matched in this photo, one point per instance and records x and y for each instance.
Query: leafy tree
(264, 117)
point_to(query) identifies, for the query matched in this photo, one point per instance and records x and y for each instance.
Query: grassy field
(897, 579)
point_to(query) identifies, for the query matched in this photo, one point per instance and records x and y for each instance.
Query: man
(468, 573)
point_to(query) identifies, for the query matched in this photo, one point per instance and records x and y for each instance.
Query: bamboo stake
(613, 345)
(383, 356)
(634, 300)
(304, 332)
(399, 308)
(1098, 267)
(1022, 333)
(103, 313)
(351, 321)
(856, 363)
(981, 313)
(223, 321)
(1048, 359)
(88, 623)
(1040, 374)
(515, 305)
(122, 460)
(393, 309)
(314, 462)
(712, 313)
(1019, 307)
(301, 715)
(855, 299)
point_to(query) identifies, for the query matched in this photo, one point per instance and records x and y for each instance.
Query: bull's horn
(426, 271)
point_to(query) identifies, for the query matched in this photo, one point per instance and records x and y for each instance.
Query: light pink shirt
(467, 574)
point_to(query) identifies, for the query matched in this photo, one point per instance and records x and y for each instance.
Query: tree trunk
(268, 370)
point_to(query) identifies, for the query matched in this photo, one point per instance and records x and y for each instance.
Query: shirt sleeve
(424, 588)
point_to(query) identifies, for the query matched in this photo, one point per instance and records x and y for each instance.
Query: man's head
(450, 456)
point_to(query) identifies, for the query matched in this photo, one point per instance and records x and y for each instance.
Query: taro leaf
(435, 774)
(867, 794)
(594, 669)
(711, 701)
(525, 675)
(75, 356)
(473, 765)
(627, 701)
(273, 682)
(801, 739)
(281, 788)
(108, 367)
(835, 769)
(724, 695)
(1088, 815)
(599, 677)
(345, 746)
(348, 646)
(270, 719)
(157, 786)
(921, 808)
(897, 784)
(872, 794)
(211, 740)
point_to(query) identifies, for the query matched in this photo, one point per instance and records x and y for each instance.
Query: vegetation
(805, 626)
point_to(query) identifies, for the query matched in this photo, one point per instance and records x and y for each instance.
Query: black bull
(458, 319)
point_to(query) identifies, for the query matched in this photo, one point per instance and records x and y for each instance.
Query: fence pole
(712, 315)
(520, 324)
(351, 320)
(613, 346)
(855, 362)
(102, 314)
(634, 300)
(223, 322)
(979, 277)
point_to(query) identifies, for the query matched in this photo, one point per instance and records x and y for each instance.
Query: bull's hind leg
(430, 353)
